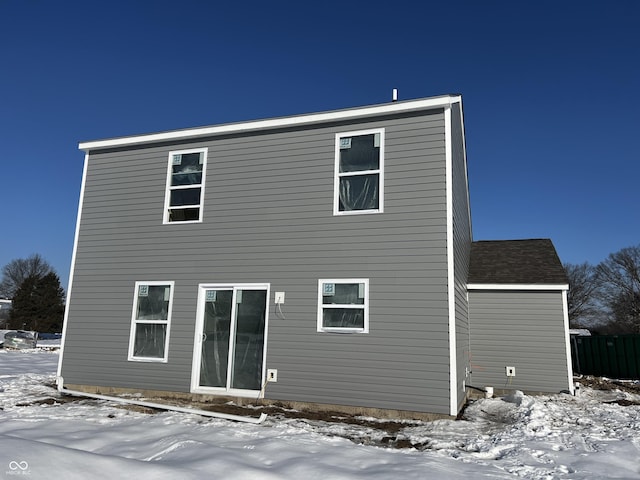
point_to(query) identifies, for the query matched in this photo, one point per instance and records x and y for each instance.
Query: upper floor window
(358, 182)
(185, 186)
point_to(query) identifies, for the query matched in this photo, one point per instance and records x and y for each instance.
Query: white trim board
(516, 286)
(280, 122)
(197, 341)
(567, 340)
(466, 169)
(72, 269)
(451, 284)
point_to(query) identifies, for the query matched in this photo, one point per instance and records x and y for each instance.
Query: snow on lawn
(544, 437)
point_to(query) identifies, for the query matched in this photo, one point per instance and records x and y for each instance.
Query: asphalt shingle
(533, 261)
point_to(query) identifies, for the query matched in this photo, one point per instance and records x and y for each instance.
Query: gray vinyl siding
(522, 329)
(462, 247)
(268, 218)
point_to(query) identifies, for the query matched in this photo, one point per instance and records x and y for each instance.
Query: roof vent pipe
(394, 95)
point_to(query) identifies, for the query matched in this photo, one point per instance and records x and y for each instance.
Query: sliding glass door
(232, 327)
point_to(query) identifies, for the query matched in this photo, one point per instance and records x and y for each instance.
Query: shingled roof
(528, 262)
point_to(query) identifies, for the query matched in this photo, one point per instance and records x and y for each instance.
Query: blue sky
(551, 93)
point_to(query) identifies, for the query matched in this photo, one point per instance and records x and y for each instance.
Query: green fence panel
(615, 356)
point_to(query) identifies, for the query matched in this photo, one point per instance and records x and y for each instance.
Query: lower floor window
(150, 321)
(343, 305)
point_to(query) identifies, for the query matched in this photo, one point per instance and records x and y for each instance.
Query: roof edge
(518, 286)
(278, 122)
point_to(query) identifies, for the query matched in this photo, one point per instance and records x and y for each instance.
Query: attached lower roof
(512, 262)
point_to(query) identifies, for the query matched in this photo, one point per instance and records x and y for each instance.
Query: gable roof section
(531, 262)
(442, 101)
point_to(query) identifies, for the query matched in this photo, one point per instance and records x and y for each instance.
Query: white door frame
(197, 340)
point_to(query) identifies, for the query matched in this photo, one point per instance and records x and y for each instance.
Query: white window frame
(364, 306)
(135, 322)
(169, 188)
(379, 172)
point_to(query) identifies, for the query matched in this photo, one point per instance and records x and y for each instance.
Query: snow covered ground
(593, 435)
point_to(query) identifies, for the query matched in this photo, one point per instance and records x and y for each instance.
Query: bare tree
(17, 271)
(582, 300)
(619, 276)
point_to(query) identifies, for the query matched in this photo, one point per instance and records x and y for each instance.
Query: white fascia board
(516, 286)
(451, 286)
(72, 269)
(567, 340)
(280, 122)
(466, 168)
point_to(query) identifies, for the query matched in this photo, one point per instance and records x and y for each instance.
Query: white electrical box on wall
(510, 371)
(272, 375)
(279, 298)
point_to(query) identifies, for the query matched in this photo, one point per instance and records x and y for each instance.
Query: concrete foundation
(197, 398)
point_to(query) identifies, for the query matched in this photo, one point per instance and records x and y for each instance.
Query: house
(314, 260)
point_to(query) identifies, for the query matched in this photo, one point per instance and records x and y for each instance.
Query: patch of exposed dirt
(602, 383)
(624, 402)
(371, 431)
(383, 433)
(137, 408)
(50, 401)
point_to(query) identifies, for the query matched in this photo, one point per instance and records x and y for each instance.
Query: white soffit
(280, 122)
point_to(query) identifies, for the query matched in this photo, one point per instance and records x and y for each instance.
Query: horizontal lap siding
(268, 217)
(522, 329)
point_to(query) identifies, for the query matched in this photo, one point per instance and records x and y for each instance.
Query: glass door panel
(216, 332)
(246, 371)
